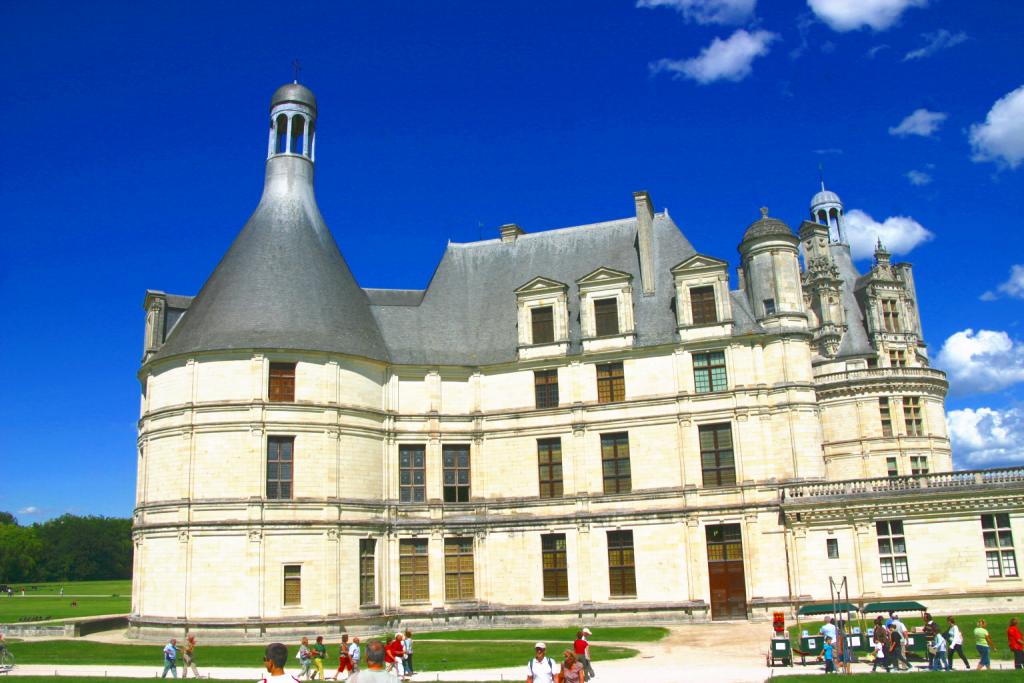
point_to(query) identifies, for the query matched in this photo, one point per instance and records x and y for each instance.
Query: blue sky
(135, 136)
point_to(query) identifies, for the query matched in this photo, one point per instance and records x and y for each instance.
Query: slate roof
(766, 226)
(855, 341)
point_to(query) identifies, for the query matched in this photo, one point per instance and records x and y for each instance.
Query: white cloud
(982, 361)
(850, 15)
(707, 11)
(30, 510)
(899, 234)
(1001, 137)
(875, 50)
(1013, 287)
(940, 40)
(918, 178)
(922, 122)
(728, 59)
(987, 436)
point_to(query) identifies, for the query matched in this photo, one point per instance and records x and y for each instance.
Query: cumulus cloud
(899, 234)
(707, 11)
(940, 40)
(982, 361)
(30, 510)
(986, 436)
(850, 15)
(728, 59)
(1013, 287)
(922, 122)
(918, 178)
(1001, 137)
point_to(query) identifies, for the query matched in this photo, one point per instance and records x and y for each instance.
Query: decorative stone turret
(771, 272)
(827, 210)
(822, 288)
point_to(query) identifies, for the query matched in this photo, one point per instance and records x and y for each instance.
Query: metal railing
(940, 480)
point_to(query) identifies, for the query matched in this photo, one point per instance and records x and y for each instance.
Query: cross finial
(764, 212)
(296, 67)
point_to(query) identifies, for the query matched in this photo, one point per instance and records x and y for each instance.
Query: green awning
(810, 610)
(896, 606)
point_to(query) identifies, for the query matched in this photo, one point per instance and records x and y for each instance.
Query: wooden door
(725, 572)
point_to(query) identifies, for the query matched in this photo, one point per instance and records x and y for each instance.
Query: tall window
(890, 315)
(413, 570)
(543, 320)
(769, 306)
(892, 552)
(292, 584)
(891, 467)
(886, 416)
(367, 571)
(919, 464)
(999, 556)
(912, 416)
(412, 478)
(545, 388)
(555, 567)
(280, 466)
(282, 382)
(832, 548)
(458, 569)
(606, 317)
(718, 464)
(702, 305)
(621, 564)
(455, 469)
(611, 383)
(897, 359)
(615, 463)
(709, 371)
(549, 465)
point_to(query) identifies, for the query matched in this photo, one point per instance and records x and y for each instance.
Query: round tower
(769, 256)
(292, 122)
(827, 209)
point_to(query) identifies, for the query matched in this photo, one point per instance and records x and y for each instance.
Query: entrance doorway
(725, 572)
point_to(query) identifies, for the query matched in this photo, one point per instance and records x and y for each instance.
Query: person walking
(274, 658)
(319, 655)
(354, 654)
(572, 669)
(896, 652)
(394, 655)
(828, 652)
(407, 645)
(956, 644)
(939, 656)
(929, 629)
(1016, 641)
(170, 658)
(901, 630)
(189, 657)
(344, 662)
(374, 672)
(541, 668)
(305, 657)
(588, 667)
(983, 644)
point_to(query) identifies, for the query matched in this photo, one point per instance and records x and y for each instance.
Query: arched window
(822, 218)
(282, 135)
(833, 217)
(298, 134)
(311, 141)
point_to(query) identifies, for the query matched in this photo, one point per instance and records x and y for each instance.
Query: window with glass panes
(621, 564)
(709, 371)
(458, 569)
(455, 470)
(890, 315)
(280, 466)
(367, 571)
(832, 548)
(886, 416)
(412, 473)
(702, 305)
(718, 463)
(897, 359)
(999, 555)
(606, 317)
(891, 467)
(615, 463)
(292, 584)
(919, 464)
(554, 566)
(611, 383)
(413, 570)
(549, 467)
(545, 388)
(282, 382)
(912, 415)
(543, 324)
(725, 542)
(892, 552)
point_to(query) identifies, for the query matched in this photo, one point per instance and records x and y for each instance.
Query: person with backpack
(542, 669)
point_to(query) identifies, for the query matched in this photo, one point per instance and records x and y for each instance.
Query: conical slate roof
(283, 283)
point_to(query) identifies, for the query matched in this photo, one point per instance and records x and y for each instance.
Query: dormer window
(606, 309)
(606, 317)
(543, 315)
(702, 305)
(543, 324)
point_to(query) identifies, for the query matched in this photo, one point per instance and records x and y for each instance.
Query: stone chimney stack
(510, 232)
(645, 239)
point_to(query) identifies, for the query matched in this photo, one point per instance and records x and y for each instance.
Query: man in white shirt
(542, 669)
(828, 629)
(274, 658)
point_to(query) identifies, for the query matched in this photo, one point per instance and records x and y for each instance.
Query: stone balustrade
(963, 479)
(880, 374)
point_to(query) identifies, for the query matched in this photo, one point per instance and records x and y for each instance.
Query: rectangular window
(912, 416)
(549, 465)
(897, 359)
(458, 569)
(702, 305)
(892, 552)
(615, 463)
(611, 383)
(545, 388)
(412, 474)
(832, 547)
(554, 565)
(999, 555)
(718, 463)
(455, 469)
(282, 382)
(280, 467)
(891, 467)
(769, 306)
(606, 317)
(543, 320)
(886, 417)
(413, 570)
(709, 371)
(621, 564)
(890, 315)
(292, 584)
(725, 543)
(367, 571)
(919, 464)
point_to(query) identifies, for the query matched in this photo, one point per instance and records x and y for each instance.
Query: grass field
(119, 587)
(42, 601)
(429, 656)
(617, 634)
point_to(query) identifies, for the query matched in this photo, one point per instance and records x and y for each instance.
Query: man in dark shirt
(930, 629)
(896, 649)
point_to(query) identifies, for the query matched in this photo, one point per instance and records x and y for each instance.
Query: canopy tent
(810, 610)
(895, 606)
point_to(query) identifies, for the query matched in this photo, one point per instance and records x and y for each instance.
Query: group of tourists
(276, 656)
(398, 654)
(574, 668)
(188, 657)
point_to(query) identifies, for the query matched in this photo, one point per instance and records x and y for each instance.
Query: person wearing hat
(581, 648)
(542, 669)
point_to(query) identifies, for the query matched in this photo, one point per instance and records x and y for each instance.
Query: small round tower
(769, 256)
(827, 209)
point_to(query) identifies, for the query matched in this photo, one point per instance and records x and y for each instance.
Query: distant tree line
(67, 548)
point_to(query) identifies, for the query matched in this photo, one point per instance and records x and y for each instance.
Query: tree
(7, 518)
(86, 548)
(20, 553)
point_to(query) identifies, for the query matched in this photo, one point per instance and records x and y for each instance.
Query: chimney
(510, 232)
(645, 239)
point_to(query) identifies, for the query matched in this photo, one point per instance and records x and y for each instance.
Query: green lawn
(945, 676)
(19, 609)
(119, 587)
(616, 634)
(429, 656)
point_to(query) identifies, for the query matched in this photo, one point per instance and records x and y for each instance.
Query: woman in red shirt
(1016, 639)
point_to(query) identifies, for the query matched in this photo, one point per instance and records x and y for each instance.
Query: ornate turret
(827, 209)
(771, 271)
